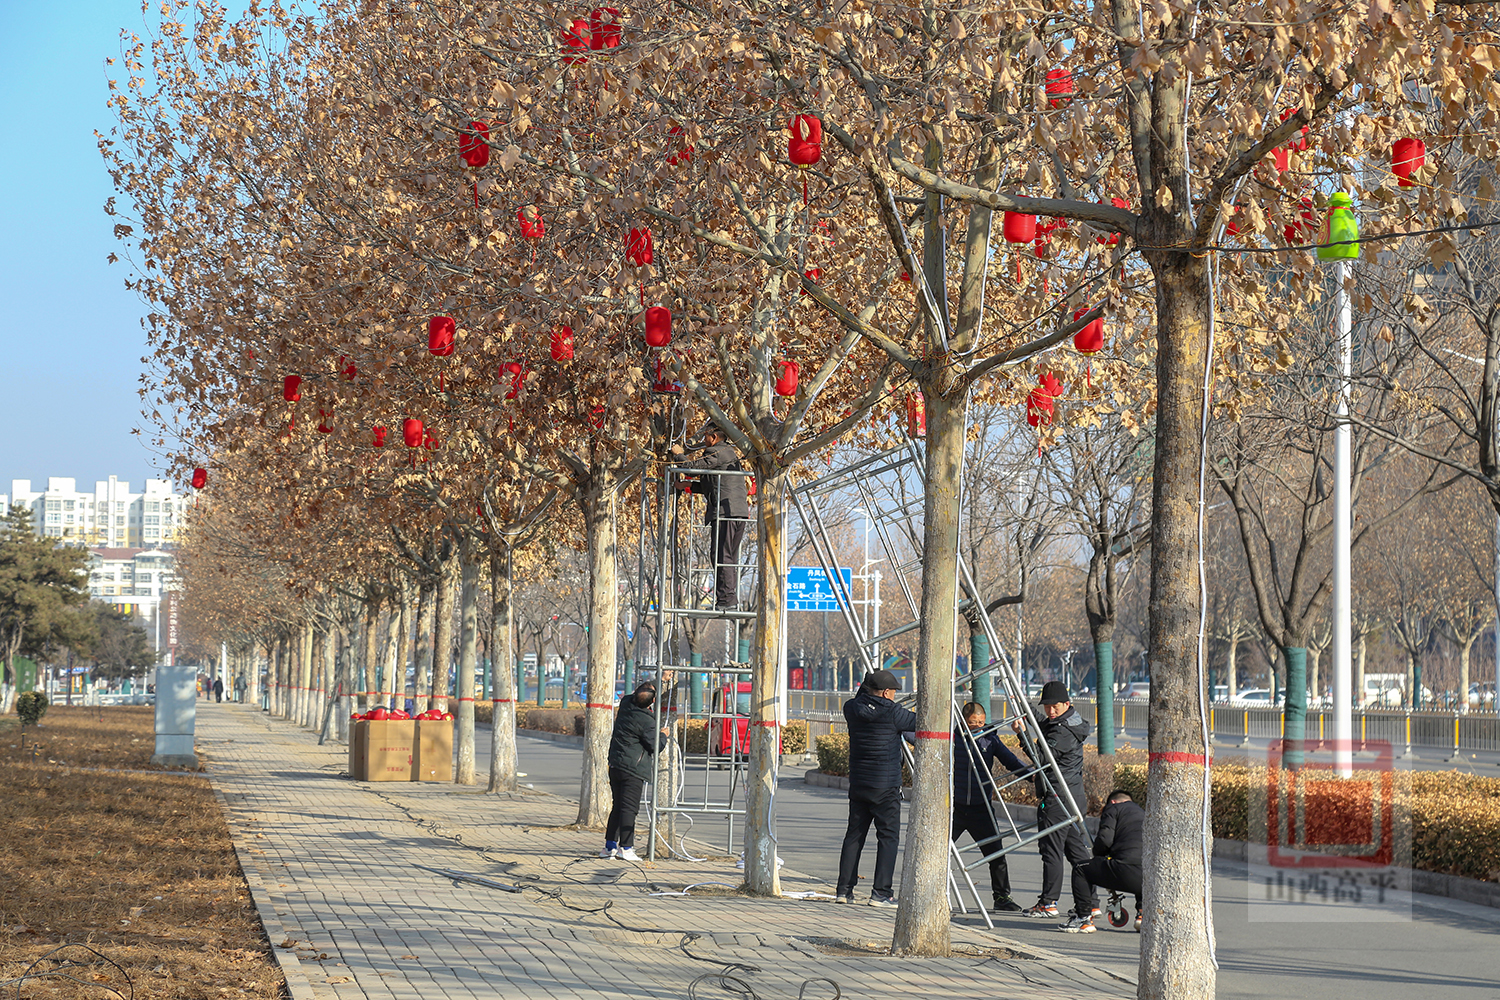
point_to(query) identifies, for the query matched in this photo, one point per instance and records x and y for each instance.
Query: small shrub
(551, 720)
(833, 753)
(31, 706)
(794, 737)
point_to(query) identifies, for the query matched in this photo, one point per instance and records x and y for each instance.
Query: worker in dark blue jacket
(876, 724)
(974, 755)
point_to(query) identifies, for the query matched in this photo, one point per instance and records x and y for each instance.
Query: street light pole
(1343, 523)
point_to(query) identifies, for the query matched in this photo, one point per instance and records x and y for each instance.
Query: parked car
(1137, 690)
(1256, 698)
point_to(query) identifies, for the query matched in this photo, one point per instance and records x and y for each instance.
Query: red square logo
(1317, 820)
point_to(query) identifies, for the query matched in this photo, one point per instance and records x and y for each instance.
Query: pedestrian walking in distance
(633, 746)
(218, 689)
(876, 725)
(1065, 732)
(974, 755)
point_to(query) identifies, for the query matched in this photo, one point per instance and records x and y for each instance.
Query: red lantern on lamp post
(658, 326)
(1407, 157)
(291, 388)
(200, 478)
(638, 248)
(786, 384)
(562, 343)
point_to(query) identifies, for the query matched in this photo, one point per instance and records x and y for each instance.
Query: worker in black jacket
(876, 724)
(974, 755)
(728, 510)
(1118, 848)
(633, 746)
(1065, 732)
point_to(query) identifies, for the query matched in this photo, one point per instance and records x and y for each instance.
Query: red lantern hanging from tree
(347, 368)
(575, 42)
(1019, 227)
(1059, 88)
(291, 387)
(1039, 400)
(658, 326)
(380, 433)
(683, 155)
(1283, 154)
(562, 343)
(604, 29)
(786, 384)
(474, 144)
(323, 416)
(533, 227)
(516, 372)
(805, 147)
(916, 415)
(1113, 239)
(200, 478)
(440, 331)
(1308, 224)
(638, 249)
(1407, 157)
(411, 432)
(1089, 340)
(813, 274)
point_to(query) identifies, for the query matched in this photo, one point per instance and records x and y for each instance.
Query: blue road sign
(809, 589)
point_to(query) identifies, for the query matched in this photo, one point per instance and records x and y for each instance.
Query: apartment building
(110, 516)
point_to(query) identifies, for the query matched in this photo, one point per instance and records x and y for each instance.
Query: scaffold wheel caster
(1118, 915)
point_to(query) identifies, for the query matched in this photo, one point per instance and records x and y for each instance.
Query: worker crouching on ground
(876, 724)
(633, 747)
(1118, 848)
(974, 757)
(1065, 732)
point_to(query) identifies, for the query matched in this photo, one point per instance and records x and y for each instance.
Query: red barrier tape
(923, 734)
(1177, 757)
(595, 704)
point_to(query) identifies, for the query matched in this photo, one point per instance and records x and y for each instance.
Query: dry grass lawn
(135, 866)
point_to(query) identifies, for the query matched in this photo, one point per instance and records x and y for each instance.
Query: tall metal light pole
(1343, 523)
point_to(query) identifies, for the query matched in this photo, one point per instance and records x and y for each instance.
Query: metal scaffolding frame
(890, 486)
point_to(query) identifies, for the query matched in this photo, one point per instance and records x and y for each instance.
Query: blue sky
(72, 337)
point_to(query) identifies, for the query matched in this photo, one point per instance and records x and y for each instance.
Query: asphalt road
(1414, 946)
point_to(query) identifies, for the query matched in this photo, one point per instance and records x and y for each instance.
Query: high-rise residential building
(110, 516)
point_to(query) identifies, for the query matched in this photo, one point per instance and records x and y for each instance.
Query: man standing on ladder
(1065, 732)
(728, 511)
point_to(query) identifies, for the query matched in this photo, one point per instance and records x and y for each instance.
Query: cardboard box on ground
(433, 756)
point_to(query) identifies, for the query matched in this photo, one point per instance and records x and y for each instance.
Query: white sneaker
(627, 854)
(608, 852)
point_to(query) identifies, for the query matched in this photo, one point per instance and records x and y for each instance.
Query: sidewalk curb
(1465, 890)
(297, 982)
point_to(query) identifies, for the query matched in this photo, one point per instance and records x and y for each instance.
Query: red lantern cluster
(1059, 88)
(474, 144)
(1407, 157)
(658, 326)
(533, 227)
(440, 331)
(1019, 227)
(411, 432)
(380, 433)
(200, 478)
(1039, 400)
(291, 388)
(562, 343)
(638, 247)
(683, 155)
(1089, 340)
(786, 384)
(805, 147)
(434, 715)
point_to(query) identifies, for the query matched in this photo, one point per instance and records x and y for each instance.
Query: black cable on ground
(58, 972)
(738, 987)
(689, 937)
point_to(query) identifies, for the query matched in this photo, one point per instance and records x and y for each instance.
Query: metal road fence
(1450, 731)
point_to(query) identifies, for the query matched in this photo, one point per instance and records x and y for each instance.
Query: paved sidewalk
(331, 864)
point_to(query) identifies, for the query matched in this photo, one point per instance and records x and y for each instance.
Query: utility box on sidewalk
(358, 750)
(433, 760)
(389, 748)
(176, 715)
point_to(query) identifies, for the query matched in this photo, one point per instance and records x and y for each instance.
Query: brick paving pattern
(333, 867)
